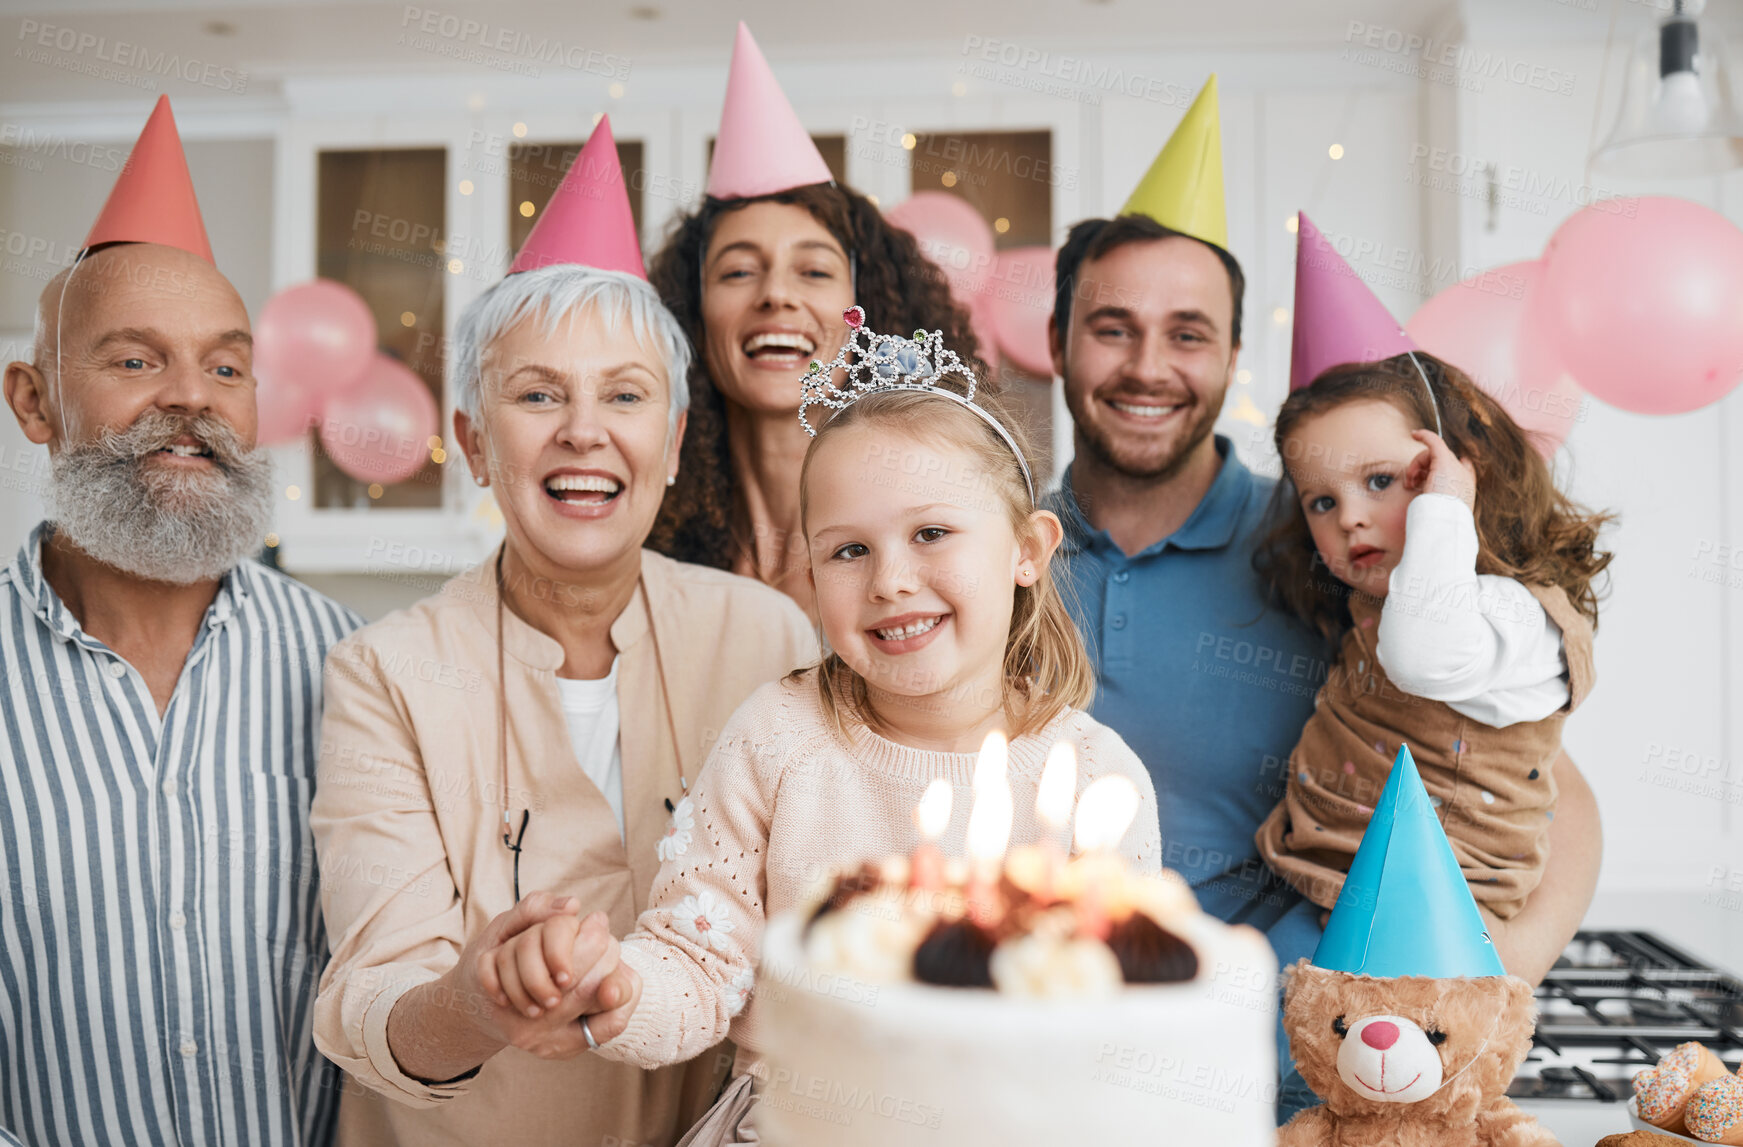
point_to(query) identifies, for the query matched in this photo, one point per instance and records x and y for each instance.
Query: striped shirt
(161, 939)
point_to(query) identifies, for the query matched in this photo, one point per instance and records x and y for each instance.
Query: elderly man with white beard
(160, 934)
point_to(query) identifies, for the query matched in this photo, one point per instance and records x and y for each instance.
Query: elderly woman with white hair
(518, 747)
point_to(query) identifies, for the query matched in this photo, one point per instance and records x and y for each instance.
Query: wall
(1661, 739)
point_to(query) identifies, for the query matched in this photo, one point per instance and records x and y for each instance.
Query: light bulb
(1681, 107)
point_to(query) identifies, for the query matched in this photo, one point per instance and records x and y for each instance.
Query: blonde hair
(1046, 669)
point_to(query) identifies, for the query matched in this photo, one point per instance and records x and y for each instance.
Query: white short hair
(555, 293)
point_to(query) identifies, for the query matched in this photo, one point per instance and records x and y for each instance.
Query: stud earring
(480, 479)
(1026, 574)
(671, 479)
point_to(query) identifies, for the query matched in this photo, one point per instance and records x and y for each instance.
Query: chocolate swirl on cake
(956, 954)
(847, 887)
(1149, 953)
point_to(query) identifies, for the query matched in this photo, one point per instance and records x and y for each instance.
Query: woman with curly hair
(759, 277)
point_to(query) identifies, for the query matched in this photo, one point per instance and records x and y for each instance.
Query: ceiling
(270, 40)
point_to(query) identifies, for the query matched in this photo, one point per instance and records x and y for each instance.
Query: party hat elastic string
(1433, 403)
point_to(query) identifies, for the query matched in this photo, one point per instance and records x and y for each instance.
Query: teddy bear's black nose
(1380, 1035)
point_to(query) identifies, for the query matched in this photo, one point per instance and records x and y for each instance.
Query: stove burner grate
(1615, 1003)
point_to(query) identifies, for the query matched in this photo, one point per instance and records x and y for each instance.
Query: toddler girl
(1460, 581)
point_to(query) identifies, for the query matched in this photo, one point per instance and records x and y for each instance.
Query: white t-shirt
(590, 708)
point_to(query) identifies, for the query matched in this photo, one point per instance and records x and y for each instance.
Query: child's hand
(617, 995)
(1438, 471)
(532, 970)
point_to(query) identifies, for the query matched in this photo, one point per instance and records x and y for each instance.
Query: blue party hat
(1405, 909)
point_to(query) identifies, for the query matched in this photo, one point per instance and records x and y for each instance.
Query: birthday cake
(1061, 1003)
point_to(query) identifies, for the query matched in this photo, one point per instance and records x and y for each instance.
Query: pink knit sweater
(781, 803)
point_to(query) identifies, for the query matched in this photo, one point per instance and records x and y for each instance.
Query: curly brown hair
(900, 289)
(1527, 529)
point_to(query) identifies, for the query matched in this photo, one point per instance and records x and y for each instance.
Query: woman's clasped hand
(541, 966)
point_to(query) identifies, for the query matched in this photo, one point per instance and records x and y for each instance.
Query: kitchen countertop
(1577, 1123)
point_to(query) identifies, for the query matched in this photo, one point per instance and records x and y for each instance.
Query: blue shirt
(1206, 683)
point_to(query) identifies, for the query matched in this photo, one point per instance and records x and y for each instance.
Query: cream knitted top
(782, 802)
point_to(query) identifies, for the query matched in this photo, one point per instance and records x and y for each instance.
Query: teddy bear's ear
(1487, 1022)
(1500, 1009)
(1293, 975)
(1314, 1004)
(1518, 1023)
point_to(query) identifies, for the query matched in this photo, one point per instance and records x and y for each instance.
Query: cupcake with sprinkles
(1662, 1093)
(1715, 1111)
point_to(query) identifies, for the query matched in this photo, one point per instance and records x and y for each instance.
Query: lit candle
(1104, 812)
(1058, 789)
(931, 817)
(989, 827)
(1034, 868)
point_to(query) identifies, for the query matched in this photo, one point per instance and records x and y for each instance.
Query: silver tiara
(873, 363)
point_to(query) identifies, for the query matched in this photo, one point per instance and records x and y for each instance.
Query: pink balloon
(1484, 327)
(285, 412)
(953, 235)
(1019, 294)
(379, 430)
(1644, 298)
(318, 336)
(1551, 412)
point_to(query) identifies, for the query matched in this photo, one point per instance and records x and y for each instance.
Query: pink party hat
(762, 147)
(588, 220)
(1337, 318)
(153, 198)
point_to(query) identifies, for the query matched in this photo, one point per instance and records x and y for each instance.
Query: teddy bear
(1409, 1060)
(1405, 1023)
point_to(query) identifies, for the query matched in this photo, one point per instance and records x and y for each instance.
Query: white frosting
(871, 938)
(1043, 967)
(910, 1063)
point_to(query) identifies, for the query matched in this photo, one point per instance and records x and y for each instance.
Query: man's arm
(1530, 942)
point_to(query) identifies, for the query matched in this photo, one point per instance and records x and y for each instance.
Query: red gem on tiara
(855, 316)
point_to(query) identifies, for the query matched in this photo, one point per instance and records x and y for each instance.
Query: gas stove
(1614, 1003)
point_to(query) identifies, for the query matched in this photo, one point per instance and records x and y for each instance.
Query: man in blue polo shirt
(1207, 683)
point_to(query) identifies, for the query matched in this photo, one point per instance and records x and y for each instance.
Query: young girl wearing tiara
(931, 567)
(1460, 582)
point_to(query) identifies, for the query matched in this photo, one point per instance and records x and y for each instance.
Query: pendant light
(1679, 116)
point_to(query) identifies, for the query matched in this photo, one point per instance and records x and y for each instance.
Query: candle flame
(989, 824)
(932, 816)
(994, 759)
(989, 820)
(1104, 812)
(1058, 787)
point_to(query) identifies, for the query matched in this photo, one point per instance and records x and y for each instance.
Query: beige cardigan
(407, 822)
